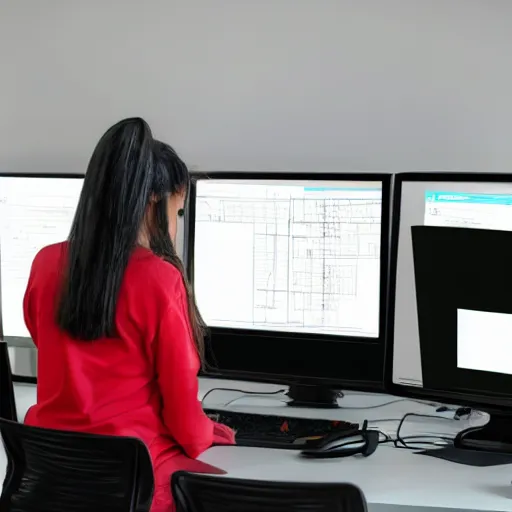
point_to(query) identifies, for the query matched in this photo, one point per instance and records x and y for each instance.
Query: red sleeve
(28, 312)
(177, 365)
(223, 434)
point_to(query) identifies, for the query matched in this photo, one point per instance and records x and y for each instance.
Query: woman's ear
(153, 198)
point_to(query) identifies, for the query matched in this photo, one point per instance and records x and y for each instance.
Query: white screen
(483, 341)
(461, 204)
(287, 256)
(34, 212)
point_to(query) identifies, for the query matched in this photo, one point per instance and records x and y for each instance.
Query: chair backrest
(7, 401)
(54, 471)
(206, 493)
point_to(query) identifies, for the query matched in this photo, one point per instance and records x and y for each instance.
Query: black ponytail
(110, 211)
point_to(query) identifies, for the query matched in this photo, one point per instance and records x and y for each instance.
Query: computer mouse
(363, 442)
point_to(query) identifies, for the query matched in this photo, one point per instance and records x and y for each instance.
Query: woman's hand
(223, 434)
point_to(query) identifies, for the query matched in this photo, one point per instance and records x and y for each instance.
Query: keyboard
(269, 431)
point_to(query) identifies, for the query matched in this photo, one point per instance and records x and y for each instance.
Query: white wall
(261, 84)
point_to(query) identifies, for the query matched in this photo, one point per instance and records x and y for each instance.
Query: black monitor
(447, 294)
(290, 273)
(35, 210)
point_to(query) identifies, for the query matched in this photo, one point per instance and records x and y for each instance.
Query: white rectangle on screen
(484, 341)
(34, 213)
(289, 256)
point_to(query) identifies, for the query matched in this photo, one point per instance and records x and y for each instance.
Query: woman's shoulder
(50, 254)
(153, 270)
(153, 281)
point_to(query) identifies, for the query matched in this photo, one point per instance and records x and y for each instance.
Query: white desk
(391, 478)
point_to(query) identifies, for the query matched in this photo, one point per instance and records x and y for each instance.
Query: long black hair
(171, 177)
(127, 170)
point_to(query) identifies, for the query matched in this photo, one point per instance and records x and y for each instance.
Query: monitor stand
(495, 436)
(319, 397)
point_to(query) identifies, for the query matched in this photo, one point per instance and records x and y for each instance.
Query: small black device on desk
(344, 444)
(268, 431)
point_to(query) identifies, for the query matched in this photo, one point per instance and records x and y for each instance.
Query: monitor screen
(289, 256)
(441, 202)
(34, 212)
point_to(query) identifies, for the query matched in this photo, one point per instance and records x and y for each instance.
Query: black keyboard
(267, 431)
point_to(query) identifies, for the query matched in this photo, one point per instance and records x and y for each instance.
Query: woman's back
(110, 385)
(107, 386)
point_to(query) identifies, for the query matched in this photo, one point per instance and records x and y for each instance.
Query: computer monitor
(474, 202)
(289, 272)
(35, 211)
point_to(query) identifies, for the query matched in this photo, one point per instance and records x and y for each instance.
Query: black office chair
(206, 493)
(7, 401)
(54, 471)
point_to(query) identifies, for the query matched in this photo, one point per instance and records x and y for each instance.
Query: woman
(118, 332)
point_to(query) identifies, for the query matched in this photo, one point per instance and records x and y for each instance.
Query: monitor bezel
(490, 403)
(370, 385)
(24, 341)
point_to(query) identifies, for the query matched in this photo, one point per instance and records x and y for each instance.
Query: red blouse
(142, 383)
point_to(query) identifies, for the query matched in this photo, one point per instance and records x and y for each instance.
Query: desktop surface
(391, 478)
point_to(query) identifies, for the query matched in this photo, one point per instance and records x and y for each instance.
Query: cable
(243, 392)
(401, 441)
(227, 404)
(384, 420)
(387, 437)
(405, 443)
(398, 400)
